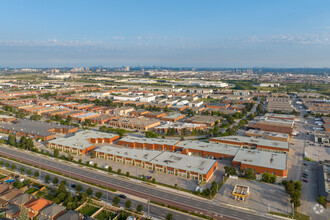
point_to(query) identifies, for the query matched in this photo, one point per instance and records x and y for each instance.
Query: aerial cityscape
(127, 110)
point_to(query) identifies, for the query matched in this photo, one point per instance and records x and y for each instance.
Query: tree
(250, 174)
(115, 200)
(98, 194)
(89, 191)
(47, 178)
(169, 216)
(21, 169)
(139, 208)
(110, 169)
(151, 134)
(23, 142)
(127, 174)
(128, 204)
(55, 181)
(13, 166)
(230, 171)
(268, 178)
(29, 144)
(12, 139)
(24, 215)
(28, 172)
(36, 174)
(78, 188)
(119, 171)
(322, 200)
(182, 138)
(56, 153)
(68, 119)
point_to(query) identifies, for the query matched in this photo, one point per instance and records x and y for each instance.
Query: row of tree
(24, 143)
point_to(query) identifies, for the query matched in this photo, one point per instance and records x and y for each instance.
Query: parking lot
(263, 197)
(317, 152)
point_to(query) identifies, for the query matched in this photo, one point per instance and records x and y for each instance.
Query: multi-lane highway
(140, 190)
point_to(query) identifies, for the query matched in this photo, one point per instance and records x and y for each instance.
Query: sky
(174, 33)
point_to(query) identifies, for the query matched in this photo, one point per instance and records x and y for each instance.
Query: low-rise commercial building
(324, 180)
(204, 119)
(272, 126)
(7, 118)
(174, 117)
(261, 161)
(179, 127)
(82, 142)
(155, 115)
(141, 124)
(217, 105)
(267, 135)
(162, 162)
(36, 129)
(254, 143)
(277, 162)
(322, 137)
(148, 143)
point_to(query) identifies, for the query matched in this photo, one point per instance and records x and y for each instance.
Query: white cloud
(303, 39)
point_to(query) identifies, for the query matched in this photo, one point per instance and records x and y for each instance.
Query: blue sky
(236, 33)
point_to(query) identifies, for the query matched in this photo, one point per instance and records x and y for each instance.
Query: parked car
(305, 164)
(306, 181)
(122, 196)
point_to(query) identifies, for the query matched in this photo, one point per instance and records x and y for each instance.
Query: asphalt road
(218, 211)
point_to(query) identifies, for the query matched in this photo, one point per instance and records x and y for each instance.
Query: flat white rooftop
(261, 159)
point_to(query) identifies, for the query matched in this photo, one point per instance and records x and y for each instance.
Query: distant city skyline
(165, 33)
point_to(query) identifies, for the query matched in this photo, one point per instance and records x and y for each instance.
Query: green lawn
(88, 210)
(105, 215)
(31, 190)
